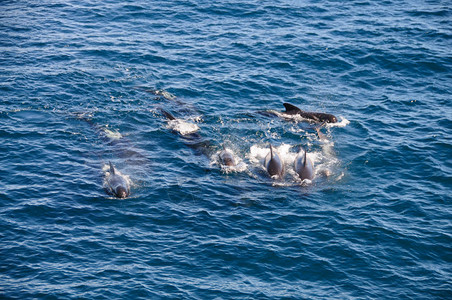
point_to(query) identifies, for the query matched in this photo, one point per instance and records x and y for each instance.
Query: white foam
(113, 135)
(258, 153)
(295, 117)
(197, 119)
(239, 167)
(167, 95)
(342, 123)
(182, 126)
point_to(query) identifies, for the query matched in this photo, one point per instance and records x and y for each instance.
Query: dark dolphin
(116, 184)
(121, 146)
(168, 115)
(194, 139)
(304, 165)
(315, 116)
(273, 163)
(226, 158)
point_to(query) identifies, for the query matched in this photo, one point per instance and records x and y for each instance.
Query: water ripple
(76, 92)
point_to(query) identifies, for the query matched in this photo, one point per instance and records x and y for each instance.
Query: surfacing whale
(227, 158)
(120, 145)
(116, 184)
(191, 138)
(273, 163)
(304, 165)
(315, 116)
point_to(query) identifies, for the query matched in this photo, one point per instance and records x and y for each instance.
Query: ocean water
(78, 82)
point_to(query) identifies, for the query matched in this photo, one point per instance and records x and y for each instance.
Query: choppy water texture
(74, 77)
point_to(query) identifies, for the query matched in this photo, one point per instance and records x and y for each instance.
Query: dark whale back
(315, 116)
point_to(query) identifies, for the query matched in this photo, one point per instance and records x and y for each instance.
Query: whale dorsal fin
(305, 158)
(291, 108)
(168, 115)
(112, 169)
(271, 151)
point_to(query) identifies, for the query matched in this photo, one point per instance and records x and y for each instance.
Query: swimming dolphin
(117, 184)
(193, 139)
(121, 146)
(304, 165)
(317, 117)
(226, 157)
(273, 163)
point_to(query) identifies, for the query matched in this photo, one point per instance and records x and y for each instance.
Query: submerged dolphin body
(192, 139)
(304, 166)
(321, 136)
(159, 93)
(315, 116)
(273, 163)
(117, 185)
(121, 146)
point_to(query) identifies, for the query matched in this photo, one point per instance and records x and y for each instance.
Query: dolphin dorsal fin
(289, 107)
(305, 158)
(112, 169)
(168, 115)
(271, 151)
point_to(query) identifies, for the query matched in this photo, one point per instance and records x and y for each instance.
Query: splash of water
(182, 126)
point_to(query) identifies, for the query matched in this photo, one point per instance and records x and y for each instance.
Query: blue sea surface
(83, 83)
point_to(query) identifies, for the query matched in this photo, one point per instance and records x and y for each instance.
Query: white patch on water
(258, 154)
(182, 126)
(197, 119)
(113, 135)
(328, 160)
(167, 95)
(340, 176)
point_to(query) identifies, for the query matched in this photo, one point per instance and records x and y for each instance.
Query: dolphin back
(273, 163)
(304, 166)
